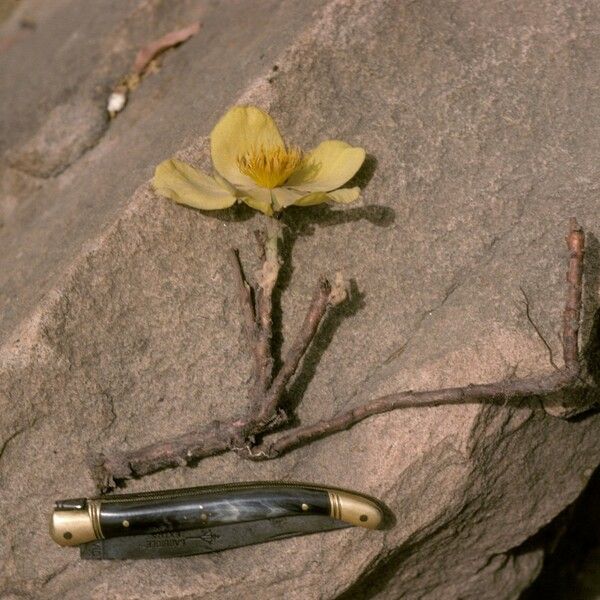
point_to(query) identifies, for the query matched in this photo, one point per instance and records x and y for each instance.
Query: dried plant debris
(145, 63)
(153, 49)
(264, 432)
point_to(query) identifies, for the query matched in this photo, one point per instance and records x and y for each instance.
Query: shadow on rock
(364, 175)
(354, 303)
(301, 222)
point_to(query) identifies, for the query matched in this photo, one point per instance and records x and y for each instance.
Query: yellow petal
(312, 199)
(344, 195)
(327, 167)
(184, 184)
(225, 184)
(285, 197)
(258, 199)
(259, 205)
(269, 201)
(238, 132)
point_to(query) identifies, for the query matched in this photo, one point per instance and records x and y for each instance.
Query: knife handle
(78, 521)
(220, 508)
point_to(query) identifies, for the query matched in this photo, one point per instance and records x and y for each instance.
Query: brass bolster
(353, 509)
(78, 526)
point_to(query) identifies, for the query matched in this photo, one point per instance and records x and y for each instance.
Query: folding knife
(206, 519)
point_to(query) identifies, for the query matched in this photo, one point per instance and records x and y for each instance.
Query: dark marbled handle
(147, 515)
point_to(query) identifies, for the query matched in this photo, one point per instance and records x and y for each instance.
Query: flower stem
(266, 279)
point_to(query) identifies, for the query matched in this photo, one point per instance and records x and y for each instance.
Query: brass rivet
(125, 523)
(67, 535)
(304, 506)
(204, 516)
(364, 518)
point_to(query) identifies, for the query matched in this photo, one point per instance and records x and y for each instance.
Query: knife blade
(210, 539)
(206, 519)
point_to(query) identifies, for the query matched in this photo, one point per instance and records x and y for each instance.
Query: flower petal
(258, 199)
(312, 199)
(237, 132)
(225, 184)
(327, 167)
(184, 184)
(269, 200)
(285, 197)
(259, 205)
(344, 195)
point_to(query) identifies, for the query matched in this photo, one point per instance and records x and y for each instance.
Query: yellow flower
(252, 164)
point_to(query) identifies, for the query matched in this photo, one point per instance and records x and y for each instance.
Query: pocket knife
(197, 520)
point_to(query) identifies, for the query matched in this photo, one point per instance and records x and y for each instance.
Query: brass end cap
(73, 527)
(354, 509)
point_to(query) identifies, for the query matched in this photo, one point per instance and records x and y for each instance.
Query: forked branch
(265, 414)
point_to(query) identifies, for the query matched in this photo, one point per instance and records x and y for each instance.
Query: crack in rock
(537, 329)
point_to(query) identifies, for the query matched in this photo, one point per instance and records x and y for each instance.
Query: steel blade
(207, 539)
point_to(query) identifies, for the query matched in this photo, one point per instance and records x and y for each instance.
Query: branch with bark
(265, 415)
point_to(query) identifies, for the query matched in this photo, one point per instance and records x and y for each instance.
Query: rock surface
(119, 322)
(69, 130)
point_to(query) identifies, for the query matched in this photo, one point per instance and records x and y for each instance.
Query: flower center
(270, 167)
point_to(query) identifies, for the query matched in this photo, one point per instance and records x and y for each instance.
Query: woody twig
(265, 414)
